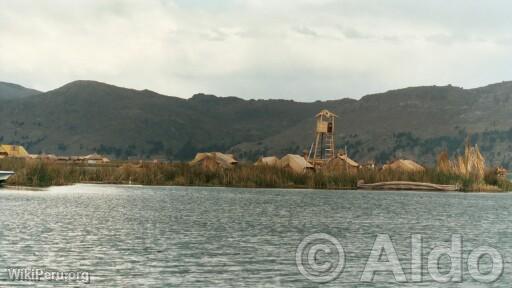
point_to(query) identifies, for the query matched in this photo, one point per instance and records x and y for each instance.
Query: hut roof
(13, 151)
(51, 157)
(340, 162)
(405, 165)
(269, 161)
(221, 159)
(94, 156)
(326, 113)
(296, 163)
(347, 159)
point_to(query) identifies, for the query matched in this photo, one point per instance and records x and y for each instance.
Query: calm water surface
(218, 237)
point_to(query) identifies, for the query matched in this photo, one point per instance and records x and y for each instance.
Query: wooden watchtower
(323, 148)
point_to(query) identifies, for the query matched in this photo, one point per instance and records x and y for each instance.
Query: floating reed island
(321, 167)
(220, 171)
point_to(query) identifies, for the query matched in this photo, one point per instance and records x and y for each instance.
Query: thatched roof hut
(295, 163)
(95, 159)
(267, 161)
(501, 172)
(214, 160)
(404, 165)
(342, 163)
(45, 157)
(15, 151)
(370, 165)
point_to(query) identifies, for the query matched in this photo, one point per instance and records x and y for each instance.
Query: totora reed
(37, 173)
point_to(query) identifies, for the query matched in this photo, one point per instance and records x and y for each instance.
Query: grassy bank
(43, 174)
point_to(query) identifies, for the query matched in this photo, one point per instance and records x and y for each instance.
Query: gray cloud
(306, 31)
(294, 49)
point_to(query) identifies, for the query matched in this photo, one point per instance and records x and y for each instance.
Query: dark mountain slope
(86, 116)
(414, 122)
(14, 91)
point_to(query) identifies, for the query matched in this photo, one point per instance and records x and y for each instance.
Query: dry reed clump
(471, 167)
(443, 162)
(471, 164)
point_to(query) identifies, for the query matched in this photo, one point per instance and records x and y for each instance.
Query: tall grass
(38, 173)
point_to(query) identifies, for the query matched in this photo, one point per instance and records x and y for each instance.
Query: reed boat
(4, 175)
(405, 185)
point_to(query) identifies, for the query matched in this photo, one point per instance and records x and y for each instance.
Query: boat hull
(4, 175)
(404, 185)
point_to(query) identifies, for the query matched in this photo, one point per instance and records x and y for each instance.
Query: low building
(64, 159)
(15, 151)
(296, 163)
(501, 172)
(214, 160)
(267, 161)
(341, 164)
(369, 165)
(404, 165)
(48, 157)
(95, 159)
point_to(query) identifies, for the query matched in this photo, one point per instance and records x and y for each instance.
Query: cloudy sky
(305, 50)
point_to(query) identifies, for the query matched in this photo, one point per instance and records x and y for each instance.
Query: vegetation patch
(38, 173)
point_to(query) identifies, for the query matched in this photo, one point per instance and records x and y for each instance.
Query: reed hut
(369, 165)
(214, 160)
(15, 151)
(267, 161)
(95, 159)
(295, 163)
(501, 172)
(404, 165)
(47, 157)
(341, 164)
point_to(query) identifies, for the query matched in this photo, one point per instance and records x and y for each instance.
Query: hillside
(414, 122)
(14, 91)
(87, 116)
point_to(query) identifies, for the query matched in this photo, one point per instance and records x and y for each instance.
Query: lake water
(129, 236)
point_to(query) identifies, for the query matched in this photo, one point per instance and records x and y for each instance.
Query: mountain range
(13, 91)
(83, 117)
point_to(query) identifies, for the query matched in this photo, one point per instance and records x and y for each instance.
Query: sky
(305, 50)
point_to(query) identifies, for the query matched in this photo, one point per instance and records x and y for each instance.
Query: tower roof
(326, 113)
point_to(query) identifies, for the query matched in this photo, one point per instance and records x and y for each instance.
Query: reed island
(321, 167)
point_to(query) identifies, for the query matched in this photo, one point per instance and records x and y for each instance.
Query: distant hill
(415, 123)
(87, 116)
(14, 91)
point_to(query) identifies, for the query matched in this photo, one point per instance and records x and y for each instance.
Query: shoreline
(38, 189)
(38, 174)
